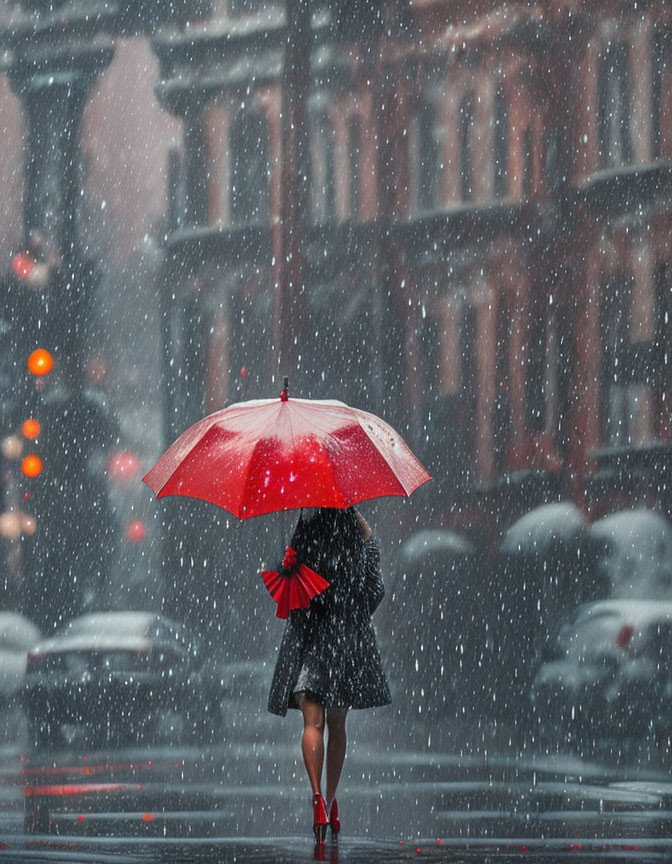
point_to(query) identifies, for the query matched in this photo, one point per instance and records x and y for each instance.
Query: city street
(335, 431)
(248, 802)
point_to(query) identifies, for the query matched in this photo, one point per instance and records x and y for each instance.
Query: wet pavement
(248, 802)
(296, 850)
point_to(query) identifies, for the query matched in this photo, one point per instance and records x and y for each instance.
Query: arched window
(467, 117)
(250, 169)
(501, 145)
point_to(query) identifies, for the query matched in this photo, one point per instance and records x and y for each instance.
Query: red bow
(295, 588)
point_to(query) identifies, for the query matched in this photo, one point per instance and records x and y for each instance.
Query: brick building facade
(487, 241)
(485, 234)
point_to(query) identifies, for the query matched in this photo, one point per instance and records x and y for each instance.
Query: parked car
(17, 636)
(120, 677)
(611, 671)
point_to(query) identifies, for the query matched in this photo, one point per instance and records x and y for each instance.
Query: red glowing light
(80, 818)
(65, 790)
(148, 817)
(22, 265)
(40, 362)
(123, 465)
(136, 531)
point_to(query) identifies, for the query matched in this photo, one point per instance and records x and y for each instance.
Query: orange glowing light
(32, 465)
(31, 428)
(40, 362)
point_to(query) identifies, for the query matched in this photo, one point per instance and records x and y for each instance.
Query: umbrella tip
(285, 387)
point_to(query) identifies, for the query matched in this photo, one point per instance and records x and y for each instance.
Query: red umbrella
(282, 454)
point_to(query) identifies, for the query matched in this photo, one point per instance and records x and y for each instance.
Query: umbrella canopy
(281, 454)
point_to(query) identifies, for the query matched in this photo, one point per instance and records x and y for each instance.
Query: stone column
(54, 56)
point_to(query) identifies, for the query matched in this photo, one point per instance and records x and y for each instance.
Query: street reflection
(327, 852)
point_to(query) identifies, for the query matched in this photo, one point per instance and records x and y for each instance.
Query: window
(322, 176)
(196, 335)
(536, 373)
(501, 420)
(250, 169)
(662, 361)
(561, 361)
(613, 115)
(466, 408)
(433, 432)
(528, 164)
(425, 158)
(660, 90)
(615, 410)
(355, 154)
(555, 160)
(466, 147)
(501, 145)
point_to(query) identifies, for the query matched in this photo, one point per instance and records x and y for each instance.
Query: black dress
(330, 649)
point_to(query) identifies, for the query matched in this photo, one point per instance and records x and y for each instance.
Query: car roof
(639, 611)
(128, 623)
(17, 633)
(117, 630)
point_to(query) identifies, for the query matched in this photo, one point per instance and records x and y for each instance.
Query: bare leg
(335, 749)
(312, 743)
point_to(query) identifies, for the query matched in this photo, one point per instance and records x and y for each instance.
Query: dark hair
(328, 537)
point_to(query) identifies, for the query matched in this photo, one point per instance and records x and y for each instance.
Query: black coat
(330, 648)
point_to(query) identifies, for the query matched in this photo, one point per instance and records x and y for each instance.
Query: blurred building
(486, 239)
(484, 223)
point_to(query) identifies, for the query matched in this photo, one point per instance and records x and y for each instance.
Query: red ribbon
(294, 588)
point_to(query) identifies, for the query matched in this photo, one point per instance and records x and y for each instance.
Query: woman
(328, 660)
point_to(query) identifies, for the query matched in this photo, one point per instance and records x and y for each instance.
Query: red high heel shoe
(320, 819)
(334, 821)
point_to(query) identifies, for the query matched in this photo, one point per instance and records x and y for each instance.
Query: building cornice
(619, 191)
(196, 67)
